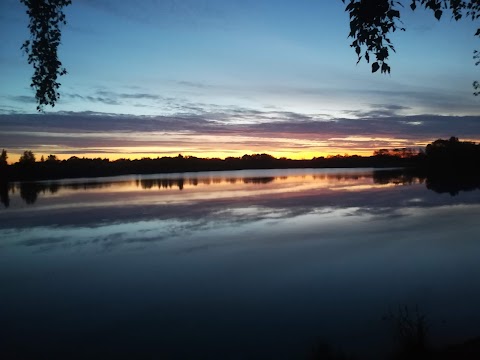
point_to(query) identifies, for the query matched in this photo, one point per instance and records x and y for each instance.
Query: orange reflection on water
(193, 187)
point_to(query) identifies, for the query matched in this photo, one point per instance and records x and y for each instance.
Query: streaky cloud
(238, 130)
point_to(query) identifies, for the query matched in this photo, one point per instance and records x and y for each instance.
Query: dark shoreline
(95, 168)
(441, 159)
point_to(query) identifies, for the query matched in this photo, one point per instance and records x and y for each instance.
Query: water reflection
(164, 183)
(30, 191)
(453, 185)
(117, 212)
(5, 188)
(441, 183)
(234, 265)
(397, 177)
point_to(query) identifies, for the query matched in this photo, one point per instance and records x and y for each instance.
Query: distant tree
(372, 22)
(401, 153)
(28, 157)
(52, 158)
(453, 154)
(3, 158)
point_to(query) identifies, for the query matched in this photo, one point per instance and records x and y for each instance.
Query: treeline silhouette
(452, 155)
(443, 161)
(27, 168)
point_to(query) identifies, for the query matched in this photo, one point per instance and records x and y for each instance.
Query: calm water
(232, 265)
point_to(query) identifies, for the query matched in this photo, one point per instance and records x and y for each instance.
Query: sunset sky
(217, 78)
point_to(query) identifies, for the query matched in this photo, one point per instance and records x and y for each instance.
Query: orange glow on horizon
(294, 155)
(296, 150)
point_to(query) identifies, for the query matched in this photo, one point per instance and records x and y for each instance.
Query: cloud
(238, 131)
(197, 85)
(433, 100)
(136, 99)
(95, 99)
(22, 99)
(379, 110)
(162, 13)
(409, 99)
(115, 96)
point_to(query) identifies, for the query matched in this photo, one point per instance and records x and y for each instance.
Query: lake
(253, 264)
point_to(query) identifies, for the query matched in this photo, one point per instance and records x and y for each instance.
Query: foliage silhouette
(411, 333)
(52, 158)
(453, 155)
(3, 159)
(75, 167)
(4, 187)
(27, 158)
(372, 22)
(446, 166)
(45, 17)
(441, 159)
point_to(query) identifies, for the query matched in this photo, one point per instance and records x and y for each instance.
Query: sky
(218, 78)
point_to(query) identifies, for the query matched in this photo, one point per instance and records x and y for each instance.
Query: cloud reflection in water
(106, 214)
(250, 265)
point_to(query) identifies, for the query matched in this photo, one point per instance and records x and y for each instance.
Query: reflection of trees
(84, 186)
(29, 191)
(53, 188)
(4, 198)
(397, 177)
(162, 183)
(453, 184)
(440, 183)
(341, 177)
(258, 180)
(179, 183)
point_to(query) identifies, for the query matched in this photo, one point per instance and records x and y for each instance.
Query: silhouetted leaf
(375, 67)
(438, 14)
(385, 68)
(42, 49)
